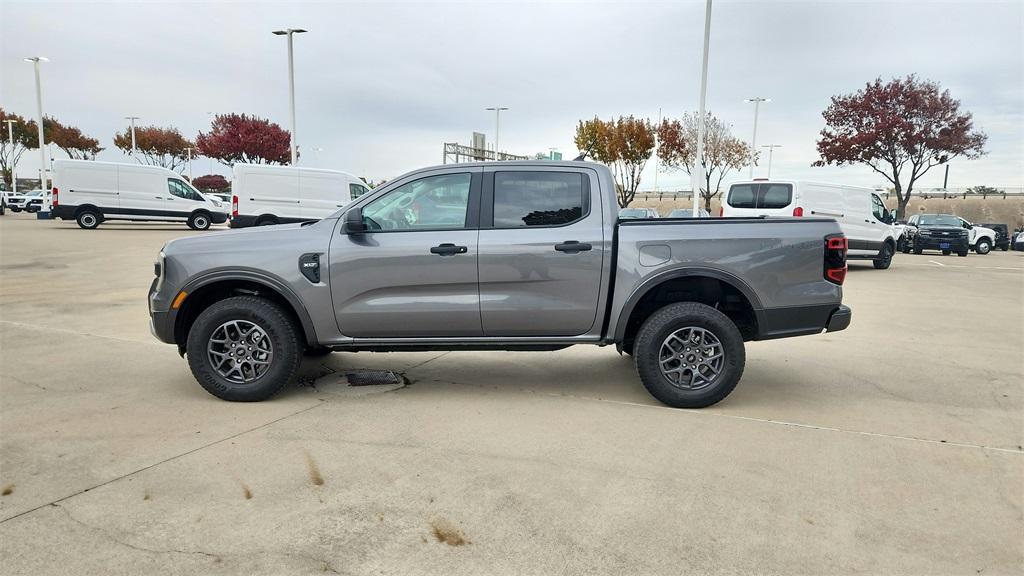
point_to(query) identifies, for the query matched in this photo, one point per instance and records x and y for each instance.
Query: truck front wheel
(689, 355)
(244, 349)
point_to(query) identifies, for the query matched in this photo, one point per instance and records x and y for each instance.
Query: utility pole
(771, 150)
(132, 120)
(657, 147)
(10, 140)
(753, 141)
(39, 119)
(697, 177)
(291, 85)
(497, 128)
(945, 179)
(188, 150)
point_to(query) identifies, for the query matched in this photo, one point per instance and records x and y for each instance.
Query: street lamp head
(288, 31)
(757, 99)
(37, 59)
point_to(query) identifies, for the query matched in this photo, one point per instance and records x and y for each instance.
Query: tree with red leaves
(247, 139)
(212, 183)
(901, 129)
(71, 140)
(156, 146)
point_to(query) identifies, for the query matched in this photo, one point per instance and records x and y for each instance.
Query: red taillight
(234, 206)
(54, 195)
(798, 211)
(721, 211)
(835, 258)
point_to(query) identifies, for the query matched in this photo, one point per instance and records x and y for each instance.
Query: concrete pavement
(893, 447)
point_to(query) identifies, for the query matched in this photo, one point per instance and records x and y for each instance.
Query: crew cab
(498, 256)
(943, 232)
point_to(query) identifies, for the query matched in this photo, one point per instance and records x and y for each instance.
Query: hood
(255, 238)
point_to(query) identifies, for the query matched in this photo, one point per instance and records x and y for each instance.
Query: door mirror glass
(354, 223)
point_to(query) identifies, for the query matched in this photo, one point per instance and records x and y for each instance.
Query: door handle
(448, 249)
(572, 247)
(868, 221)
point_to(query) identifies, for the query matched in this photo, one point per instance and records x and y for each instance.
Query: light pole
(697, 177)
(35, 60)
(771, 150)
(753, 141)
(10, 140)
(497, 127)
(657, 148)
(132, 119)
(188, 150)
(289, 32)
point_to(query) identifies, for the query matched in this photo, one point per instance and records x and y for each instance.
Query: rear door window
(767, 195)
(524, 199)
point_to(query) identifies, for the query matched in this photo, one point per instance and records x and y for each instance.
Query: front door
(541, 251)
(182, 199)
(414, 272)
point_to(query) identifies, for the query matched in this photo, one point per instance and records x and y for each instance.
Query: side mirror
(354, 223)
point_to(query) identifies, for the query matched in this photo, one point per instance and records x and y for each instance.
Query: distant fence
(924, 193)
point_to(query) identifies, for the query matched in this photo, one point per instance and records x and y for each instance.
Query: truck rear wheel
(689, 355)
(244, 349)
(88, 219)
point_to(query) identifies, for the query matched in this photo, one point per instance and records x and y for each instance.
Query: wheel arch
(734, 297)
(206, 290)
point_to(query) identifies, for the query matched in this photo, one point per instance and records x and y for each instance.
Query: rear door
(414, 273)
(82, 183)
(321, 194)
(755, 199)
(541, 251)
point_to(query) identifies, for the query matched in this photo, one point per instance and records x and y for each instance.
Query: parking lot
(894, 447)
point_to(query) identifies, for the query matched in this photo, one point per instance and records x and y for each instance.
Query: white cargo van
(861, 214)
(90, 192)
(265, 194)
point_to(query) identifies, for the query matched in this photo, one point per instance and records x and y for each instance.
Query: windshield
(940, 220)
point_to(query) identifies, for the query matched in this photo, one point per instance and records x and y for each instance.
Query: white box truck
(90, 192)
(264, 195)
(868, 225)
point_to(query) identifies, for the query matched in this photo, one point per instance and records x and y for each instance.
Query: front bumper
(935, 242)
(161, 322)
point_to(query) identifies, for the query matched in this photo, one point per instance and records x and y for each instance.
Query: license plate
(944, 245)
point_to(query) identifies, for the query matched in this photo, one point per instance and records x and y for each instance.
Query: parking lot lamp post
(188, 150)
(771, 149)
(753, 140)
(497, 127)
(697, 178)
(10, 140)
(39, 120)
(289, 32)
(132, 119)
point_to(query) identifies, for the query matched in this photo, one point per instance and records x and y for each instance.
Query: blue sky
(381, 85)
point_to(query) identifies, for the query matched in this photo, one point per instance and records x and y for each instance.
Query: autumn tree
(624, 145)
(25, 138)
(212, 183)
(248, 139)
(155, 146)
(900, 129)
(723, 152)
(71, 140)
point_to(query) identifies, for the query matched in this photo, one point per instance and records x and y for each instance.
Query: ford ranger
(498, 256)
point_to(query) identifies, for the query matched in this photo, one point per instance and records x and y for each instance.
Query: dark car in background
(943, 232)
(1002, 240)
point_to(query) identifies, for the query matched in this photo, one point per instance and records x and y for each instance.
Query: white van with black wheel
(91, 192)
(866, 222)
(263, 195)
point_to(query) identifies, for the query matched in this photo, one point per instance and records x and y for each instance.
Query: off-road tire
(199, 221)
(884, 257)
(88, 219)
(285, 338)
(657, 328)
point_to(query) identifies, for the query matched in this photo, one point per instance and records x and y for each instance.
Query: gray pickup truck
(498, 256)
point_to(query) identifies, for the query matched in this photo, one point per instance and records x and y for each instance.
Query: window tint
(537, 198)
(432, 203)
(182, 190)
(767, 195)
(357, 190)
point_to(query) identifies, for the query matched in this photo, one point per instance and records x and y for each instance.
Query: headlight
(160, 269)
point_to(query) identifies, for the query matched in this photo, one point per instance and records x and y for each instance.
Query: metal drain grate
(372, 378)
